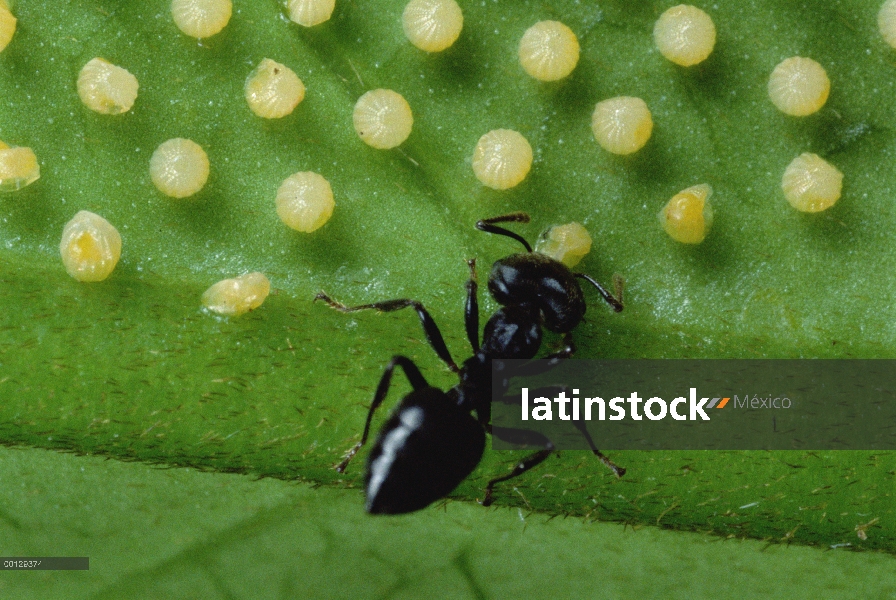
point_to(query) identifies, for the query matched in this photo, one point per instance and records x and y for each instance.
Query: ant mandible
(431, 442)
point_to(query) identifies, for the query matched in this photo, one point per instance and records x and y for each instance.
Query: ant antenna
(618, 283)
(487, 225)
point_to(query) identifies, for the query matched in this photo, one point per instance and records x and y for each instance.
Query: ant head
(538, 280)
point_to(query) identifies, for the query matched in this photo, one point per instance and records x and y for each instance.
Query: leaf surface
(132, 368)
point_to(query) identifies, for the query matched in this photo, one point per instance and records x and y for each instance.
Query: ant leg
(471, 308)
(578, 424)
(433, 335)
(527, 369)
(539, 366)
(569, 348)
(487, 225)
(607, 296)
(519, 436)
(617, 470)
(417, 381)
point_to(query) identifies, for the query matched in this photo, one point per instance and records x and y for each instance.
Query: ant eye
(273, 90)
(685, 35)
(432, 25)
(622, 125)
(687, 217)
(90, 247)
(568, 244)
(502, 159)
(201, 18)
(234, 297)
(305, 201)
(106, 88)
(549, 51)
(7, 26)
(383, 119)
(811, 184)
(799, 86)
(18, 168)
(179, 168)
(309, 13)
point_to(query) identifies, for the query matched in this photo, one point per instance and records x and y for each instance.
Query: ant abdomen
(425, 449)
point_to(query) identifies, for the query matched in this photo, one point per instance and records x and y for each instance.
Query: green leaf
(132, 368)
(177, 533)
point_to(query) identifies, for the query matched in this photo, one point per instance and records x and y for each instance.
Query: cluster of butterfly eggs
(798, 87)
(205, 18)
(18, 166)
(548, 51)
(90, 246)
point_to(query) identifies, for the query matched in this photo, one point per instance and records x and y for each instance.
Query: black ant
(431, 442)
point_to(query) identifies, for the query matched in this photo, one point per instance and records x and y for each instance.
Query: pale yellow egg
(106, 88)
(382, 119)
(432, 25)
(685, 35)
(502, 159)
(622, 125)
(18, 168)
(179, 168)
(886, 22)
(7, 27)
(309, 13)
(201, 18)
(305, 201)
(799, 86)
(687, 217)
(237, 296)
(811, 184)
(90, 247)
(273, 90)
(568, 243)
(549, 50)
